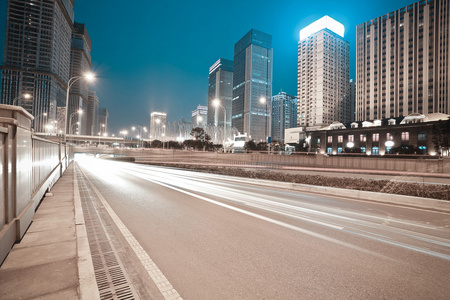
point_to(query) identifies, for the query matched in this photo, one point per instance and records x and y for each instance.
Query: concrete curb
(417, 202)
(88, 284)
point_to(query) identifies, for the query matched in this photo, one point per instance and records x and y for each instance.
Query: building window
(351, 138)
(389, 150)
(374, 150)
(375, 137)
(329, 150)
(339, 150)
(330, 139)
(363, 149)
(389, 137)
(362, 138)
(405, 136)
(340, 138)
(422, 136)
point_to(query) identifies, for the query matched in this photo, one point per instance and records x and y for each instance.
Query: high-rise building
(220, 87)
(158, 122)
(37, 56)
(284, 115)
(323, 74)
(352, 99)
(80, 63)
(252, 81)
(103, 118)
(403, 62)
(92, 114)
(199, 116)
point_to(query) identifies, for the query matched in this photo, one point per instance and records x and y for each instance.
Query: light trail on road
(375, 234)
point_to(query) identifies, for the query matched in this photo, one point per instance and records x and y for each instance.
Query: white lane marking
(163, 284)
(289, 226)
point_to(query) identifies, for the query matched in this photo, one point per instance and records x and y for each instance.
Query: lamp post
(140, 134)
(124, 133)
(87, 77)
(71, 116)
(164, 135)
(216, 103)
(26, 96)
(263, 100)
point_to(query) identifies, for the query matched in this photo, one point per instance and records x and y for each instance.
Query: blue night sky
(155, 55)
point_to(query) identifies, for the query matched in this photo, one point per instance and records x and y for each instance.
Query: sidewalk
(44, 265)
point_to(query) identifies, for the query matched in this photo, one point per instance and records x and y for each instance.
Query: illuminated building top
(323, 23)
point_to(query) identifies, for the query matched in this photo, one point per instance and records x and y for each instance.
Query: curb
(88, 283)
(417, 202)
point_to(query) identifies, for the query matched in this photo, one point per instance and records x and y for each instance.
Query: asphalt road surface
(217, 237)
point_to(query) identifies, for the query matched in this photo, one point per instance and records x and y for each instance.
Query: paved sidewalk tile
(44, 265)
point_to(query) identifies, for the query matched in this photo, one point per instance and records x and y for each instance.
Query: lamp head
(216, 102)
(89, 76)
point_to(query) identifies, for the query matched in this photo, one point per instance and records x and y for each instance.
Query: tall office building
(323, 74)
(353, 99)
(80, 63)
(199, 116)
(220, 87)
(158, 122)
(252, 80)
(103, 118)
(92, 114)
(37, 56)
(403, 62)
(284, 114)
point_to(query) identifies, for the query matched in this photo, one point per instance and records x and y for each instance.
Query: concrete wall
(29, 166)
(422, 165)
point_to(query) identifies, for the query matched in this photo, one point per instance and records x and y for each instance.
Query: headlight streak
(181, 180)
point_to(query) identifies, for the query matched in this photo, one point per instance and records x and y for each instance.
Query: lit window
(362, 138)
(405, 136)
(375, 137)
(340, 138)
(330, 139)
(389, 137)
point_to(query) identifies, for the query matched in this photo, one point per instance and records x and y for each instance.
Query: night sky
(155, 55)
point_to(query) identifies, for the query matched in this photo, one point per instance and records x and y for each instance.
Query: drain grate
(112, 281)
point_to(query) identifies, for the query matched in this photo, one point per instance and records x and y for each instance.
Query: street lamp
(263, 100)
(216, 103)
(88, 77)
(80, 111)
(26, 96)
(124, 133)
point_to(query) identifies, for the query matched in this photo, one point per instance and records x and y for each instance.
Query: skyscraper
(252, 80)
(80, 63)
(220, 87)
(92, 114)
(323, 74)
(103, 118)
(37, 56)
(199, 116)
(403, 62)
(284, 114)
(157, 125)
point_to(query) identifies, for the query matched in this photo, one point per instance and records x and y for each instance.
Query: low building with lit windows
(412, 134)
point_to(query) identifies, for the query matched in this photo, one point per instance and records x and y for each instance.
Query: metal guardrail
(29, 167)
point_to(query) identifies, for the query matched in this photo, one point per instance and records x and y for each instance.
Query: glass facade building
(284, 115)
(252, 80)
(220, 87)
(37, 56)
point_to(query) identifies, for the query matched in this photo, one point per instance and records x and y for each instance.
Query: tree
(156, 144)
(441, 136)
(201, 139)
(250, 145)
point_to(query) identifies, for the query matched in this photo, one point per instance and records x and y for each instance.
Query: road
(215, 237)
